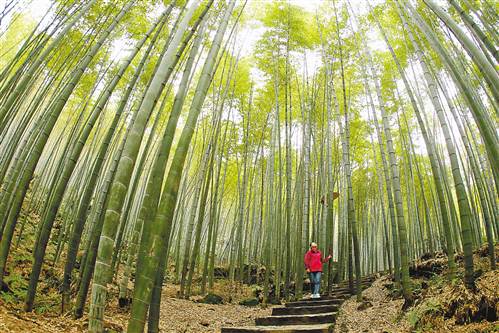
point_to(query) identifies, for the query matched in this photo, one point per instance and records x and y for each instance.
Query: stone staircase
(303, 316)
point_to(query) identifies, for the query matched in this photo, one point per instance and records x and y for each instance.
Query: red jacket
(314, 260)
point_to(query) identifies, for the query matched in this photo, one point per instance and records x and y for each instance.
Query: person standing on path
(313, 263)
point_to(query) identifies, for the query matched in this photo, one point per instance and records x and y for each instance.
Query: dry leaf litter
(177, 315)
(385, 314)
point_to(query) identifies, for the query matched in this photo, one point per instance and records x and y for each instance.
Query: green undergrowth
(19, 264)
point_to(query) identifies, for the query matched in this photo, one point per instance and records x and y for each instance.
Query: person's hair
(313, 243)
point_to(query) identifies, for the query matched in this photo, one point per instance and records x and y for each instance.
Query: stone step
(335, 291)
(340, 290)
(347, 289)
(345, 283)
(339, 293)
(319, 328)
(340, 297)
(320, 318)
(342, 294)
(283, 311)
(325, 297)
(315, 302)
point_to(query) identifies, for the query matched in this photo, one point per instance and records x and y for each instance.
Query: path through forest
(306, 315)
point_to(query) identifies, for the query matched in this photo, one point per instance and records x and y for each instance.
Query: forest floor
(177, 315)
(382, 316)
(440, 305)
(180, 315)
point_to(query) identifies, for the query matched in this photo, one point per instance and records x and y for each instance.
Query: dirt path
(303, 316)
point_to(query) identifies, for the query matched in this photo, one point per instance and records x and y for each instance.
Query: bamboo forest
(249, 166)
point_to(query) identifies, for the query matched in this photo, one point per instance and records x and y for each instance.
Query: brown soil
(177, 315)
(440, 305)
(380, 312)
(185, 316)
